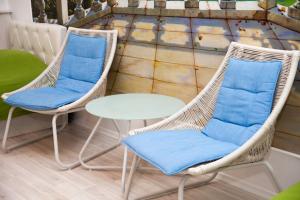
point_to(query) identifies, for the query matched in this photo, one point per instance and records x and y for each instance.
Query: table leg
(84, 160)
(124, 170)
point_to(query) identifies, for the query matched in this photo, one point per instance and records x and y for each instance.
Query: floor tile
(116, 63)
(181, 39)
(122, 20)
(260, 42)
(211, 42)
(210, 59)
(204, 75)
(175, 24)
(145, 22)
(137, 66)
(175, 73)
(143, 35)
(129, 84)
(251, 28)
(175, 55)
(290, 44)
(210, 26)
(140, 50)
(284, 33)
(183, 92)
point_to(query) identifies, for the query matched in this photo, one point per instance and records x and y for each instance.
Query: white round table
(134, 106)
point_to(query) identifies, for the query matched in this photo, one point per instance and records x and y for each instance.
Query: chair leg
(56, 148)
(20, 144)
(8, 122)
(271, 172)
(134, 165)
(181, 187)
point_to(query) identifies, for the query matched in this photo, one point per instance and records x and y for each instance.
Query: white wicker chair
(199, 111)
(49, 77)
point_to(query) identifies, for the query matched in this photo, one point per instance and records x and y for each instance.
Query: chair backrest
(82, 62)
(43, 40)
(244, 101)
(289, 60)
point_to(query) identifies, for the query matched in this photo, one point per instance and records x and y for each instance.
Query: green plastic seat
(17, 69)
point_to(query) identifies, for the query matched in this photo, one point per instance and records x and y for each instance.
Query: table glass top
(134, 106)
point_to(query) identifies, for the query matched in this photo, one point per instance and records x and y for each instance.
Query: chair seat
(176, 150)
(46, 98)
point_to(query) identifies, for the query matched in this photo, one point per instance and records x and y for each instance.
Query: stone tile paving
(177, 56)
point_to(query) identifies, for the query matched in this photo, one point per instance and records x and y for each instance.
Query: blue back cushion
(83, 58)
(245, 100)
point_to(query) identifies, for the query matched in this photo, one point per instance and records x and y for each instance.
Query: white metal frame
(49, 77)
(83, 161)
(184, 178)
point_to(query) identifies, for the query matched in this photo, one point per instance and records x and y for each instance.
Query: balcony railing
(186, 8)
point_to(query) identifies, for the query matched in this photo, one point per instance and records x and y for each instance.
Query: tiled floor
(178, 56)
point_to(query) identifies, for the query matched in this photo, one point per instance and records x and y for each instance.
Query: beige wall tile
(137, 66)
(122, 20)
(116, 63)
(132, 84)
(210, 26)
(181, 39)
(122, 32)
(175, 73)
(260, 42)
(143, 35)
(120, 47)
(175, 24)
(286, 142)
(94, 27)
(204, 75)
(175, 55)
(289, 120)
(140, 50)
(294, 96)
(111, 79)
(183, 92)
(290, 44)
(284, 33)
(210, 59)
(211, 42)
(145, 22)
(250, 28)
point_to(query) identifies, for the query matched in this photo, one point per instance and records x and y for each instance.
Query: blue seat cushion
(244, 101)
(46, 98)
(83, 58)
(176, 150)
(81, 68)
